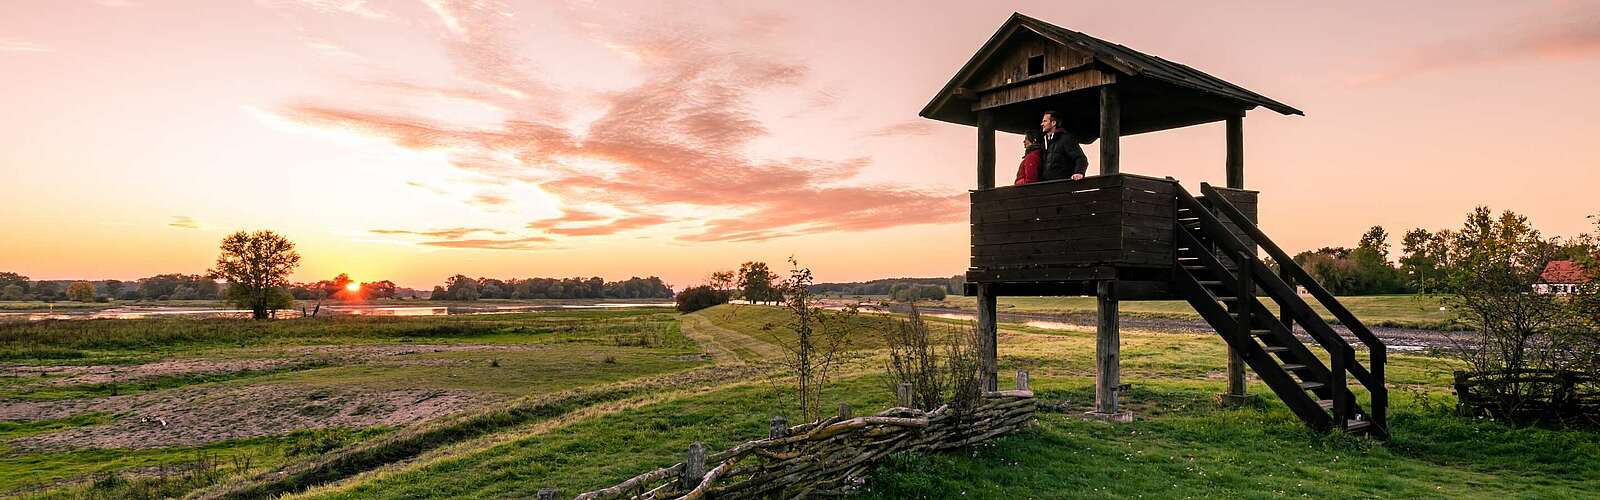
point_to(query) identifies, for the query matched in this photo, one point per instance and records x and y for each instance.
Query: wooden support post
(547, 494)
(1237, 392)
(1110, 130)
(1236, 151)
(902, 396)
(694, 467)
(1107, 356)
(985, 150)
(988, 338)
(844, 411)
(1241, 310)
(1022, 381)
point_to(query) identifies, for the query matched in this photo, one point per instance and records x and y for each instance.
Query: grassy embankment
(498, 357)
(1182, 444)
(1399, 311)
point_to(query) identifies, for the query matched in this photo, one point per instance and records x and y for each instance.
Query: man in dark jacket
(1063, 158)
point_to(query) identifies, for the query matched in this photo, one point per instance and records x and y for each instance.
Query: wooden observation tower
(1121, 236)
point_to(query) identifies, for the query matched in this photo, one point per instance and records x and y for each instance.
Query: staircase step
(1209, 283)
(1195, 268)
(1357, 425)
(1311, 385)
(1326, 404)
(1293, 366)
(1261, 333)
(1275, 348)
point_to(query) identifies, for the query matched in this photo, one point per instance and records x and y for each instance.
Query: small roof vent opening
(1036, 65)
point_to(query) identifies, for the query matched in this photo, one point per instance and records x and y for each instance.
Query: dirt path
(727, 346)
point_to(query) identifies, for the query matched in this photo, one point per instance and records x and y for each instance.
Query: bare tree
(818, 346)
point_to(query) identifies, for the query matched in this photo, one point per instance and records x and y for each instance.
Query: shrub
(700, 297)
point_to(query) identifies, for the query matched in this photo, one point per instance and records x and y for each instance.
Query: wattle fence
(827, 457)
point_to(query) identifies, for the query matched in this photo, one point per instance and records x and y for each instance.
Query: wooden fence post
(778, 427)
(1022, 380)
(844, 411)
(694, 467)
(546, 494)
(902, 395)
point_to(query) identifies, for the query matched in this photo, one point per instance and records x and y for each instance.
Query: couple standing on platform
(1050, 153)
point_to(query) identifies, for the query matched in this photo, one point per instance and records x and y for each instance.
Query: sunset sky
(414, 139)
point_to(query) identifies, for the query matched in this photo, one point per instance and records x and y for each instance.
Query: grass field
(1401, 311)
(582, 399)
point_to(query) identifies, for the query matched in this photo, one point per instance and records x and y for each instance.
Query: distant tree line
(462, 287)
(887, 286)
(1425, 261)
(15, 286)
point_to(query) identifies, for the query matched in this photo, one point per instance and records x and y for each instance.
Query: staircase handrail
(1377, 351)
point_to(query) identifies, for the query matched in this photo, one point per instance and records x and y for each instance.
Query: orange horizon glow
(416, 140)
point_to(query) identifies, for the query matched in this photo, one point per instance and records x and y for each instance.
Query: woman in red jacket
(1028, 171)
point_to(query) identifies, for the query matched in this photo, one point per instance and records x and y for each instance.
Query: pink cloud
(678, 137)
(1570, 34)
(903, 129)
(451, 233)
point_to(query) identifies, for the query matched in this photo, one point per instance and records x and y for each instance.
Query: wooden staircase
(1219, 274)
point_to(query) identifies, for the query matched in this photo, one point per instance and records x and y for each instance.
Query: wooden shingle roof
(946, 106)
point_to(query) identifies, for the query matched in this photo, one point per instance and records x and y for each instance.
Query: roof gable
(952, 103)
(1564, 271)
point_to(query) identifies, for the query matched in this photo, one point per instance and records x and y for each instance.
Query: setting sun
(353, 287)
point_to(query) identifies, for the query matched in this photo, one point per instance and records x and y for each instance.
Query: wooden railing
(1342, 354)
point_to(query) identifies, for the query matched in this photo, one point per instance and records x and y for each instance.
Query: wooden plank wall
(1032, 232)
(1247, 202)
(1011, 65)
(1045, 87)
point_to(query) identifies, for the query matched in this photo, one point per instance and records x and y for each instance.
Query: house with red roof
(1561, 277)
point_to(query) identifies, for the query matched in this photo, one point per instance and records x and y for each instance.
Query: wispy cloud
(523, 243)
(14, 45)
(903, 129)
(450, 233)
(1570, 33)
(183, 222)
(361, 8)
(695, 91)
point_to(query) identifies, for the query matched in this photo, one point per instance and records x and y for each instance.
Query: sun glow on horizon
(352, 287)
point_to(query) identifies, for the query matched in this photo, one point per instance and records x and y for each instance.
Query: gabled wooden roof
(1120, 59)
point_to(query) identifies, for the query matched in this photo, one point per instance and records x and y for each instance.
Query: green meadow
(578, 400)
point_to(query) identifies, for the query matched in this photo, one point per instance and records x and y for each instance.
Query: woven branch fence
(829, 456)
(1530, 396)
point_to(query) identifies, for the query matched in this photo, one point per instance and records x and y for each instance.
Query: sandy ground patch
(105, 374)
(192, 416)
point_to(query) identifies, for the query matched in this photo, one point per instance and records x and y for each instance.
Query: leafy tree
(700, 297)
(460, 287)
(8, 279)
(721, 280)
(44, 290)
(755, 282)
(1492, 263)
(113, 287)
(1423, 265)
(255, 265)
(383, 289)
(11, 291)
(80, 291)
(438, 293)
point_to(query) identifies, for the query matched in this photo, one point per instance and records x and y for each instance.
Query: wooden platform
(1062, 237)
